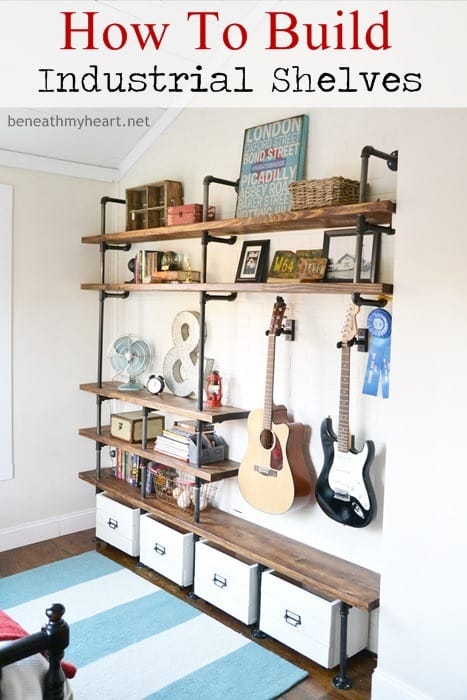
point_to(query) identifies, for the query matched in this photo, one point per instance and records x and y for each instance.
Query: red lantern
(214, 390)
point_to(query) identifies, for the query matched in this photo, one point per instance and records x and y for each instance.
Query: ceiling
(93, 143)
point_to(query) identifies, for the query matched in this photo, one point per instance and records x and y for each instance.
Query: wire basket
(330, 192)
(178, 488)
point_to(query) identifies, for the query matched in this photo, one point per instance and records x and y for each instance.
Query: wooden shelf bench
(323, 574)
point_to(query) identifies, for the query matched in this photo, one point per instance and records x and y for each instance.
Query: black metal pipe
(202, 325)
(341, 681)
(209, 179)
(391, 158)
(363, 179)
(100, 337)
(104, 202)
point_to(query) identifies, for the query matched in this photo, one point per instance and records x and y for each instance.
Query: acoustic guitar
(273, 475)
(343, 489)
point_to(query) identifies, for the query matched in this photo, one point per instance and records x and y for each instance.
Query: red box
(188, 214)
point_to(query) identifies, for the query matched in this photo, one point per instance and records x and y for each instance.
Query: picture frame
(253, 262)
(339, 249)
(273, 156)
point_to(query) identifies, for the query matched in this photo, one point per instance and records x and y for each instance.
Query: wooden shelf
(322, 573)
(379, 212)
(209, 472)
(376, 288)
(167, 403)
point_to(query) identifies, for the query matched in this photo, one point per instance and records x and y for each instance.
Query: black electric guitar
(273, 475)
(343, 489)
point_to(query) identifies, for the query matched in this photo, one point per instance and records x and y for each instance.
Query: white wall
(424, 575)
(6, 396)
(54, 349)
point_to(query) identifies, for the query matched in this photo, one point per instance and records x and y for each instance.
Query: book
(172, 447)
(170, 442)
(171, 453)
(177, 435)
(189, 426)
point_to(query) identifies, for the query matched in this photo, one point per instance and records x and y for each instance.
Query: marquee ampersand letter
(181, 362)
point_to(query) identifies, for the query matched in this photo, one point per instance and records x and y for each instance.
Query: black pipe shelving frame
(103, 296)
(362, 228)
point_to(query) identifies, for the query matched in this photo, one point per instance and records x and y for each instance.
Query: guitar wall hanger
(361, 340)
(288, 329)
(361, 301)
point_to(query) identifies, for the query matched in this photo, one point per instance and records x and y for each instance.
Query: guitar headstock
(350, 328)
(277, 317)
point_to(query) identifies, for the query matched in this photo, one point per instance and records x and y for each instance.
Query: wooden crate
(147, 205)
(229, 582)
(167, 549)
(308, 623)
(117, 524)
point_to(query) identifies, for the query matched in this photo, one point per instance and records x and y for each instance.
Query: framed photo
(339, 249)
(254, 261)
(273, 155)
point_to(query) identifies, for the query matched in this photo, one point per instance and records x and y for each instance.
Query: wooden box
(129, 426)
(147, 205)
(117, 524)
(188, 214)
(308, 623)
(175, 276)
(230, 583)
(168, 550)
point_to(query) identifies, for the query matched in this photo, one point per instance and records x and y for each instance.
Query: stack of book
(173, 442)
(176, 441)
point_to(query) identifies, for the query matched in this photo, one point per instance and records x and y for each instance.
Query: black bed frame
(53, 640)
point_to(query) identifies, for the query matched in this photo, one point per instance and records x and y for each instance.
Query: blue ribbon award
(379, 351)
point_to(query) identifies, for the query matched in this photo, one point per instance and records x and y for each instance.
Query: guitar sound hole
(267, 439)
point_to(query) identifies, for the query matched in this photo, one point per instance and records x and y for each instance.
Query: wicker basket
(177, 488)
(330, 192)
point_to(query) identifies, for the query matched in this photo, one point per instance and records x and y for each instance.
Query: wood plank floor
(318, 686)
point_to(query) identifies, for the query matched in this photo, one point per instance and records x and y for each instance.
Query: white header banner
(233, 54)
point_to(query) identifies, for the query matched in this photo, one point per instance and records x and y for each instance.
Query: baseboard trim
(40, 530)
(387, 687)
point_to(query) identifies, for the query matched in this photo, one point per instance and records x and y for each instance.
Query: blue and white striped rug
(132, 641)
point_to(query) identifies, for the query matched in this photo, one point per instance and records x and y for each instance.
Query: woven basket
(177, 488)
(330, 192)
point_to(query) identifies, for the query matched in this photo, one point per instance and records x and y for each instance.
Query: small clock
(155, 384)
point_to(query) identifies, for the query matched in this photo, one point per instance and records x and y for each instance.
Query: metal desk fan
(132, 356)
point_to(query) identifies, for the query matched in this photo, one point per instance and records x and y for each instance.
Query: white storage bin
(167, 550)
(117, 524)
(307, 622)
(229, 583)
